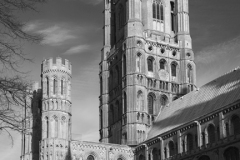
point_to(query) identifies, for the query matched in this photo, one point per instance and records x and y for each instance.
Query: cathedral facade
(150, 107)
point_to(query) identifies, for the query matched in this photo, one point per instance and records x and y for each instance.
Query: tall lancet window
(46, 128)
(172, 16)
(47, 83)
(150, 64)
(174, 69)
(124, 65)
(189, 73)
(150, 103)
(125, 102)
(161, 12)
(54, 85)
(154, 10)
(138, 62)
(158, 16)
(62, 83)
(163, 64)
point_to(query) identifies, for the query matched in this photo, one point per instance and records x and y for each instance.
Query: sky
(73, 30)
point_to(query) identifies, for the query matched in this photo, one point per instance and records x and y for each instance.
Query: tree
(14, 88)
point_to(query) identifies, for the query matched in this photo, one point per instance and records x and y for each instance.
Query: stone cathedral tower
(56, 109)
(146, 62)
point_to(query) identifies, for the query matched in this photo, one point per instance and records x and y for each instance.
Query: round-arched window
(90, 157)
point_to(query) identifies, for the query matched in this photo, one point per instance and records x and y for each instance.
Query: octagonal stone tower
(56, 109)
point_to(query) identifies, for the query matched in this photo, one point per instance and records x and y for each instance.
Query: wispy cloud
(228, 49)
(77, 49)
(55, 35)
(32, 26)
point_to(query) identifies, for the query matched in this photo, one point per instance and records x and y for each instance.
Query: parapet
(63, 65)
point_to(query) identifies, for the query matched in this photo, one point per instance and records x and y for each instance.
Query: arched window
(232, 153)
(140, 101)
(119, 159)
(138, 116)
(90, 157)
(172, 16)
(66, 86)
(189, 73)
(204, 158)
(54, 85)
(155, 154)
(124, 65)
(211, 133)
(125, 102)
(150, 64)
(163, 64)
(189, 142)
(171, 148)
(141, 157)
(235, 124)
(154, 10)
(150, 103)
(163, 100)
(158, 11)
(47, 127)
(62, 83)
(161, 12)
(47, 83)
(138, 63)
(111, 77)
(174, 69)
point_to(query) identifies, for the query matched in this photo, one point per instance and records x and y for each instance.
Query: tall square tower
(146, 62)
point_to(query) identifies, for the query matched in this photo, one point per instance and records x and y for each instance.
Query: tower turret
(147, 62)
(56, 109)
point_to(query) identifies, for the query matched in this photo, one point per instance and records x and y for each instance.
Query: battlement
(64, 65)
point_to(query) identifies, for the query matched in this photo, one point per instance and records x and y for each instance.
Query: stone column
(199, 133)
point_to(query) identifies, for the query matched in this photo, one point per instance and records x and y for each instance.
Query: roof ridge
(214, 80)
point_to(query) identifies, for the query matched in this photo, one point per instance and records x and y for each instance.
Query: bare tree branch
(14, 89)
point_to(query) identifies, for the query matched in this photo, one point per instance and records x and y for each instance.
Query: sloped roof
(209, 98)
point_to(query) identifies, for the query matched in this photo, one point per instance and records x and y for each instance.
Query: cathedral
(150, 107)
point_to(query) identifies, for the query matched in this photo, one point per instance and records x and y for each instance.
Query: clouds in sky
(56, 35)
(215, 60)
(53, 34)
(77, 49)
(222, 51)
